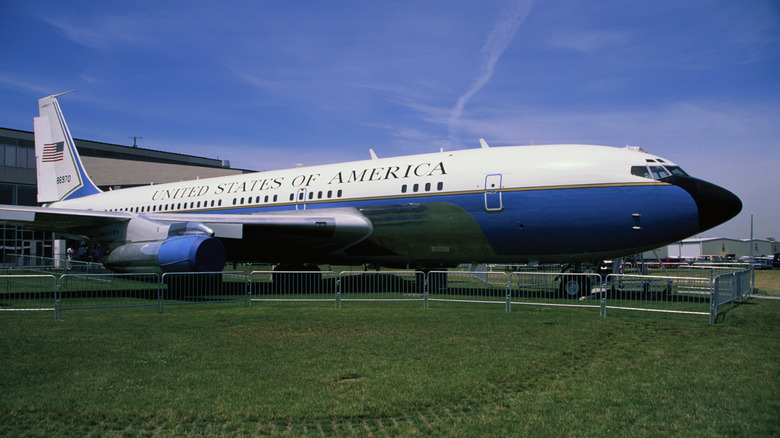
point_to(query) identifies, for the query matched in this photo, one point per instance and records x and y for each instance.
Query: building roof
(89, 148)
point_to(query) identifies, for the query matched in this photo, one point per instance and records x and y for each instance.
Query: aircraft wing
(59, 220)
(306, 229)
(333, 228)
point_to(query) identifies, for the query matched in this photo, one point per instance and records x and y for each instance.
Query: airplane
(564, 203)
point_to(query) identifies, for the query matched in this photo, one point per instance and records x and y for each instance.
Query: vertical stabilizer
(60, 172)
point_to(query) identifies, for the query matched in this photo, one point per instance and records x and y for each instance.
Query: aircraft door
(493, 200)
(300, 199)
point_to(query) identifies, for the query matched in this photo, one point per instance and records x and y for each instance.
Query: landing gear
(575, 286)
(573, 283)
(288, 278)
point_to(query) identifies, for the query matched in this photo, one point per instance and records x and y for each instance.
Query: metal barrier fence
(382, 286)
(24, 263)
(727, 288)
(691, 295)
(469, 287)
(100, 291)
(556, 289)
(27, 292)
(293, 286)
(203, 287)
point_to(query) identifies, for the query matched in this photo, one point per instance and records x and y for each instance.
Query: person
(69, 256)
(94, 254)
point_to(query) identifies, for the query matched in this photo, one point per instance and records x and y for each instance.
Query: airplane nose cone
(716, 204)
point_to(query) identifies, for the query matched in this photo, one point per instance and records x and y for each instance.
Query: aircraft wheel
(573, 286)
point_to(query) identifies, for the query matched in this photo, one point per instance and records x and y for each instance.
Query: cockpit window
(640, 171)
(676, 170)
(657, 172)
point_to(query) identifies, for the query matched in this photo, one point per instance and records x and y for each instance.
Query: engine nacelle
(174, 254)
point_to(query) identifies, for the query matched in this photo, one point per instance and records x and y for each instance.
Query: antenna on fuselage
(373, 155)
(483, 143)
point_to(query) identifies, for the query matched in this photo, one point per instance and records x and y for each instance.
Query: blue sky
(268, 85)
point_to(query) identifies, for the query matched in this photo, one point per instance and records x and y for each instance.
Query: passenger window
(427, 187)
(640, 171)
(440, 186)
(403, 188)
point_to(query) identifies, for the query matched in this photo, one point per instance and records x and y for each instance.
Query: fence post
(160, 297)
(713, 302)
(338, 290)
(249, 290)
(426, 287)
(508, 295)
(57, 300)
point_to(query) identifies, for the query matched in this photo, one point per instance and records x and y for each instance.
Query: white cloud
(497, 41)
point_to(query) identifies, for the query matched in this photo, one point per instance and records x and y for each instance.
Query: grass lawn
(768, 282)
(389, 369)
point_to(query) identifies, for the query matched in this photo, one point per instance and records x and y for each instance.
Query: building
(110, 166)
(719, 246)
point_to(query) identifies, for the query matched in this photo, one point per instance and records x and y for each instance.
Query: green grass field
(389, 369)
(768, 283)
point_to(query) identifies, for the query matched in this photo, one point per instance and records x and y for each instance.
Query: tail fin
(60, 172)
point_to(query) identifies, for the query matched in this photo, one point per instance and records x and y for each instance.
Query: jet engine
(174, 254)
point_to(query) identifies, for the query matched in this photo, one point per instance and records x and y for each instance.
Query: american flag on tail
(53, 152)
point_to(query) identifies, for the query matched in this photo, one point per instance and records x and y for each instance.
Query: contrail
(494, 47)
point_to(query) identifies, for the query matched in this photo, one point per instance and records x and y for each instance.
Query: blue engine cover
(191, 254)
